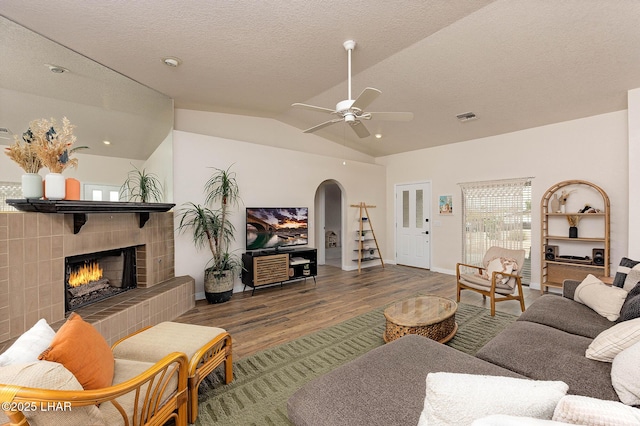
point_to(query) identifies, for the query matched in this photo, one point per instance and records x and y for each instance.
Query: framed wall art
(445, 205)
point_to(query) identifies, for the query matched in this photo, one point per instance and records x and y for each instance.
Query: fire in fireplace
(96, 276)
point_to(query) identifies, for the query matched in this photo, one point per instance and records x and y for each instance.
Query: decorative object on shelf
(446, 204)
(213, 229)
(141, 186)
(24, 154)
(54, 186)
(563, 200)
(555, 204)
(72, 189)
(573, 225)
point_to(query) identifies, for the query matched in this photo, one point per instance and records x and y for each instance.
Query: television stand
(264, 269)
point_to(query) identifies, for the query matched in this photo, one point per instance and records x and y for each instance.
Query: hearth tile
(44, 296)
(4, 293)
(31, 302)
(31, 318)
(31, 275)
(4, 220)
(31, 248)
(4, 270)
(16, 253)
(57, 224)
(4, 246)
(44, 248)
(16, 225)
(44, 272)
(44, 225)
(5, 329)
(57, 270)
(16, 325)
(57, 246)
(57, 310)
(30, 225)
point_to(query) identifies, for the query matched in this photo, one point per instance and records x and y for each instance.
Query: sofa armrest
(569, 288)
(148, 387)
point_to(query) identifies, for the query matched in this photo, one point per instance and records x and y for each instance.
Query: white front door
(413, 226)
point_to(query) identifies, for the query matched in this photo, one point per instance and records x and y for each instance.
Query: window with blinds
(496, 213)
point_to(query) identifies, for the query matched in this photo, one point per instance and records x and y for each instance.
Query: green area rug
(264, 382)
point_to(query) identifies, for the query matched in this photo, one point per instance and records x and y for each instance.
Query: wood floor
(275, 315)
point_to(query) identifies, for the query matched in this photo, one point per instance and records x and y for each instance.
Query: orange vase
(72, 187)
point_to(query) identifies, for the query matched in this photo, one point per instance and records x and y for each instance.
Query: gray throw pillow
(631, 306)
(625, 266)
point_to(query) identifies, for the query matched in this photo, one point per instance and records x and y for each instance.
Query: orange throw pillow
(83, 351)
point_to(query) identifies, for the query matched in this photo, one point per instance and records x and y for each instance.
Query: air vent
(5, 133)
(467, 116)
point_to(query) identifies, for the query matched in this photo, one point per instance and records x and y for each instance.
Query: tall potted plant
(212, 228)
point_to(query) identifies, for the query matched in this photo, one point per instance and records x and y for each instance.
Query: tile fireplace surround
(33, 247)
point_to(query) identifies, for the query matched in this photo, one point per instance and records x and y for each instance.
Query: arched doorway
(329, 223)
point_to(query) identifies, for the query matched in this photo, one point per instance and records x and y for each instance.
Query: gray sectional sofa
(386, 386)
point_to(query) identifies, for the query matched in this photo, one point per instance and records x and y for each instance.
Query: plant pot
(218, 285)
(573, 232)
(54, 186)
(32, 186)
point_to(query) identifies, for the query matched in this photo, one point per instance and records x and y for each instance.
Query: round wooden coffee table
(429, 316)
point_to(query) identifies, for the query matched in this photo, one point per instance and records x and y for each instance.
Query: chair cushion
(51, 376)
(82, 350)
(153, 344)
(124, 370)
(566, 315)
(474, 281)
(545, 353)
(501, 265)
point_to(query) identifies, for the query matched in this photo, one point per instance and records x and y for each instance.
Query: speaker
(598, 256)
(550, 252)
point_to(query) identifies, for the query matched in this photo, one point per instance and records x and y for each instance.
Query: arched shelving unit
(554, 268)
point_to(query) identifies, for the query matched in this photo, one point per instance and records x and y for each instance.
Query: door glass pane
(97, 195)
(405, 209)
(419, 207)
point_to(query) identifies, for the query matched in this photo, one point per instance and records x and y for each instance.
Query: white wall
(268, 177)
(594, 149)
(634, 172)
(161, 164)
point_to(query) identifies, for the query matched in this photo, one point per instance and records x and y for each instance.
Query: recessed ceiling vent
(467, 116)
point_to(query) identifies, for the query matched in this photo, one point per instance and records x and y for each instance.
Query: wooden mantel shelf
(80, 209)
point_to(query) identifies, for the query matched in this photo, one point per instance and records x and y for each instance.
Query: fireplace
(92, 277)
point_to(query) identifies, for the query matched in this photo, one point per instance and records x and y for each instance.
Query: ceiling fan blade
(389, 116)
(367, 96)
(323, 125)
(360, 129)
(313, 108)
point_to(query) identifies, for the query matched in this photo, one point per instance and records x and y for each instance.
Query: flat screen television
(275, 227)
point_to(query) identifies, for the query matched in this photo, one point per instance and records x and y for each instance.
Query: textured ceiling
(515, 63)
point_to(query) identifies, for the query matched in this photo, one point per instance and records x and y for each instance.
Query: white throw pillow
(604, 299)
(506, 420)
(459, 399)
(625, 375)
(614, 340)
(582, 410)
(502, 265)
(29, 345)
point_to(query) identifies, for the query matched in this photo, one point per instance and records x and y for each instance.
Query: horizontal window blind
(497, 213)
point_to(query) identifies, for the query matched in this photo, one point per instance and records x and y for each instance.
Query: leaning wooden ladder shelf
(362, 239)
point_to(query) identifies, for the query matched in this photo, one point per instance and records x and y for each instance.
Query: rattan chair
(155, 396)
(493, 288)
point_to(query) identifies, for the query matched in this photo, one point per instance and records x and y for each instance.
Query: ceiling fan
(352, 111)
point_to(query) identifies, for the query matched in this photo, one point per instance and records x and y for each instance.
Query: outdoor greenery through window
(497, 213)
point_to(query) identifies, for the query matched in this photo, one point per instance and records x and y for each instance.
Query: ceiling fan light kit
(351, 111)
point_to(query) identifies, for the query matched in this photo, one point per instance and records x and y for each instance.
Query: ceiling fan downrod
(349, 45)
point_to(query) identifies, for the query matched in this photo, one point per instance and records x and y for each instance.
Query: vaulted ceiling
(515, 63)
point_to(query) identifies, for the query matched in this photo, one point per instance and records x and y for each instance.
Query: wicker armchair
(496, 290)
(153, 396)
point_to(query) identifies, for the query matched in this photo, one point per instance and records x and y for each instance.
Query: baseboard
(444, 271)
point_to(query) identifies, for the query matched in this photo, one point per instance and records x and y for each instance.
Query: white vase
(54, 188)
(32, 186)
